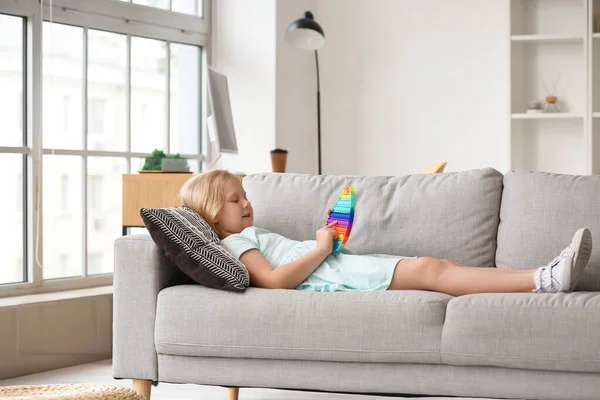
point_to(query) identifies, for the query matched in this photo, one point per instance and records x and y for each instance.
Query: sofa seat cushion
(554, 332)
(388, 326)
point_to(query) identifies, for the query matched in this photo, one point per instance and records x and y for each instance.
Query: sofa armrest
(141, 272)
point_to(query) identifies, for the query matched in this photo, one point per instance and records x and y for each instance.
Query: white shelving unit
(547, 38)
(547, 116)
(552, 49)
(593, 140)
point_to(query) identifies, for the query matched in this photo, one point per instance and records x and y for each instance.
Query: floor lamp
(306, 34)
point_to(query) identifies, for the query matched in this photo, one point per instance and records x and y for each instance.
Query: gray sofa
(520, 345)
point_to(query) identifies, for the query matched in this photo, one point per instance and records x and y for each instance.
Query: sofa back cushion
(450, 215)
(539, 215)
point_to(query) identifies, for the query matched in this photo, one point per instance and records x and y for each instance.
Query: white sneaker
(563, 273)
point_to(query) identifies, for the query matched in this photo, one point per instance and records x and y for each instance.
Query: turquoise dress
(338, 272)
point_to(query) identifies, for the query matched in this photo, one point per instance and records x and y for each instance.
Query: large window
(106, 96)
(12, 147)
(11, 80)
(193, 7)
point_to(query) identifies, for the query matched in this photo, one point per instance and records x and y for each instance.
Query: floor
(101, 372)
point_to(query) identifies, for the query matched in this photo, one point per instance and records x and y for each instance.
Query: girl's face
(236, 213)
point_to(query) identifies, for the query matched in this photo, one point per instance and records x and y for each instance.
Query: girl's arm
(290, 275)
(286, 276)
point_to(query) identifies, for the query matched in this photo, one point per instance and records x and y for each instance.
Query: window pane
(104, 197)
(11, 237)
(148, 95)
(136, 165)
(164, 4)
(185, 99)
(194, 165)
(193, 7)
(63, 83)
(107, 91)
(63, 216)
(11, 81)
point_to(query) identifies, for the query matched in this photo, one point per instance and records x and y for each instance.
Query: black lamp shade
(305, 33)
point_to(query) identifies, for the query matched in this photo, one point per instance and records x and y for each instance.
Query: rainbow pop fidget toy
(343, 213)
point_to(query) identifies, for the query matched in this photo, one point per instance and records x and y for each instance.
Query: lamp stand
(318, 110)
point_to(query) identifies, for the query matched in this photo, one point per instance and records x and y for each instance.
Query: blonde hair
(204, 193)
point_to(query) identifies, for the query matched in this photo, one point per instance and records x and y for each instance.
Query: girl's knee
(430, 262)
(432, 269)
(420, 273)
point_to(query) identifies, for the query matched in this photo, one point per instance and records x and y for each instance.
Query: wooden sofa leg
(233, 393)
(143, 387)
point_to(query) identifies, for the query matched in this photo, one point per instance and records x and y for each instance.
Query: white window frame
(109, 15)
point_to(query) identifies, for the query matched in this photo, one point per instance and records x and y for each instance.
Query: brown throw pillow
(194, 247)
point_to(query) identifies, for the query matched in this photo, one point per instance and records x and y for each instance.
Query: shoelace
(547, 281)
(566, 252)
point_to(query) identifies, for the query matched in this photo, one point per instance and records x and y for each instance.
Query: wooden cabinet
(149, 190)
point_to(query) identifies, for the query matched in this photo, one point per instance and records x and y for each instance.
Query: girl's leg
(427, 273)
(559, 275)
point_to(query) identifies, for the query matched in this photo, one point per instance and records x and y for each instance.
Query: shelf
(553, 50)
(547, 116)
(547, 38)
(596, 115)
(596, 36)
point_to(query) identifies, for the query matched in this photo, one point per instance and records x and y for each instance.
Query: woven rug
(80, 391)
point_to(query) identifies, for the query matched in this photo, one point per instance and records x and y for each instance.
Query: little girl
(274, 261)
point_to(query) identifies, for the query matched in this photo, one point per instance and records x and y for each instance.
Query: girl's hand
(325, 237)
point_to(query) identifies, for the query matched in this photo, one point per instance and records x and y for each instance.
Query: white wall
(403, 84)
(415, 82)
(244, 49)
(43, 335)
(296, 86)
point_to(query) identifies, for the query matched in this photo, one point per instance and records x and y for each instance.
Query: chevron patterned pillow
(194, 247)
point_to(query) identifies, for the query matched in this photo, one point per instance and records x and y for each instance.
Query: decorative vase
(552, 106)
